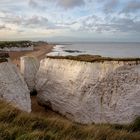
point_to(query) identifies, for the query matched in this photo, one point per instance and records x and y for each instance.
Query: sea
(106, 49)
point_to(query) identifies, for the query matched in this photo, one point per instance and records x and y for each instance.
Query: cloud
(110, 5)
(33, 3)
(36, 21)
(40, 22)
(66, 4)
(30, 22)
(132, 6)
(126, 24)
(97, 24)
(70, 3)
(121, 25)
(70, 16)
(3, 27)
(8, 17)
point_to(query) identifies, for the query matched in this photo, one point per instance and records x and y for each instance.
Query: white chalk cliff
(29, 66)
(100, 92)
(13, 88)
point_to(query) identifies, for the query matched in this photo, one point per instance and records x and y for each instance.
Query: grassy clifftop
(18, 44)
(18, 125)
(93, 58)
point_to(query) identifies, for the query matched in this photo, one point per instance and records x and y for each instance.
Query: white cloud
(70, 16)
(132, 6)
(70, 3)
(66, 4)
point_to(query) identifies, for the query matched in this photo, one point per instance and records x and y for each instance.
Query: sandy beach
(39, 52)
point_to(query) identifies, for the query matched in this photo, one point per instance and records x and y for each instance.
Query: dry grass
(18, 125)
(93, 58)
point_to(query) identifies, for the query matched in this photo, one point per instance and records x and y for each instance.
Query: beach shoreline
(39, 52)
(108, 49)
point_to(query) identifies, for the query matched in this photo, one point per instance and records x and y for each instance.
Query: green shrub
(18, 44)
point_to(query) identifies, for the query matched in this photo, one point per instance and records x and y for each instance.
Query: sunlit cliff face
(67, 20)
(100, 92)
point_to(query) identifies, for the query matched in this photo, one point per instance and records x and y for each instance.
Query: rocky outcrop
(13, 88)
(29, 66)
(100, 92)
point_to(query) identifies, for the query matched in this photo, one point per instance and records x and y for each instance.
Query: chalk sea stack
(29, 66)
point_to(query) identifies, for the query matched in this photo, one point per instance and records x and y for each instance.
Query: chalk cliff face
(13, 89)
(90, 92)
(29, 68)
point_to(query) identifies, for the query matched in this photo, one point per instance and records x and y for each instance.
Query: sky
(70, 20)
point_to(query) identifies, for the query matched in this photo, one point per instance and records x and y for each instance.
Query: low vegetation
(18, 44)
(93, 58)
(17, 125)
(4, 57)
